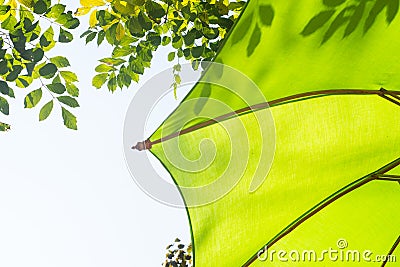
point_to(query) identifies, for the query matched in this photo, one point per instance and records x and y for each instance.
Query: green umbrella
(305, 172)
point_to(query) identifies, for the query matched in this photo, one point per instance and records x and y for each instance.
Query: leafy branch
(23, 58)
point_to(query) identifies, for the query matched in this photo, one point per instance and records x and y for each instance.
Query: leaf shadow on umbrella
(265, 15)
(350, 16)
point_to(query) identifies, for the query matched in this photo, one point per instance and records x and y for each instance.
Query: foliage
(192, 29)
(178, 255)
(29, 29)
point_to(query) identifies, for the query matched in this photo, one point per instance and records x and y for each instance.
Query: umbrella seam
(391, 251)
(324, 203)
(147, 144)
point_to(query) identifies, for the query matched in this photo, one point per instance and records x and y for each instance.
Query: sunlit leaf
(93, 19)
(33, 98)
(55, 11)
(45, 111)
(60, 61)
(69, 119)
(99, 80)
(69, 76)
(120, 32)
(171, 56)
(72, 89)
(69, 101)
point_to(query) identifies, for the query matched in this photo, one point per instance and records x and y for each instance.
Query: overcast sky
(66, 197)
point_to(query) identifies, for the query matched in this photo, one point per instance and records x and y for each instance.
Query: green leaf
(154, 39)
(57, 88)
(4, 106)
(189, 38)
(123, 7)
(65, 36)
(69, 119)
(23, 81)
(69, 76)
(197, 51)
(154, 9)
(33, 98)
(4, 127)
(119, 32)
(110, 35)
(134, 27)
(9, 23)
(55, 11)
(104, 17)
(13, 75)
(210, 33)
(60, 62)
(3, 67)
(47, 39)
(124, 77)
(6, 90)
(57, 79)
(254, 40)
(45, 111)
(136, 66)
(171, 56)
(112, 83)
(29, 68)
(122, 51)
(266, 13)
(166, 40)
(104, 68)
(48, 70)
(4, 9)
(100, 37)
(85, 33)
(225, 23)
(145, 22)
(177, 78)
(67, 20)
(39, 7)
(113, 61)
(69, 101)
(99, 80)
(177, 42)
(72, 89)
(37, 55)
(90, 37)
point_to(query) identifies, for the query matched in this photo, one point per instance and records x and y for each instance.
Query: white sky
(66, 197)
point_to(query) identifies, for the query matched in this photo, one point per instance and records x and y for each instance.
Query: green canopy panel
(325, 162)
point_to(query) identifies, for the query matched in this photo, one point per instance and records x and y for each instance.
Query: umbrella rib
(382, 92)
(391, 251)
(324, 203)
(387, 177)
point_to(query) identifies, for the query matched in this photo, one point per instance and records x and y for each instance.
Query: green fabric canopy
(317, 167)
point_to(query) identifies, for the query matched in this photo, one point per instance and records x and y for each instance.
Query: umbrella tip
(144, 145)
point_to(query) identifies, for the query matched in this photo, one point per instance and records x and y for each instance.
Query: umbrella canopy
(308, 162)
